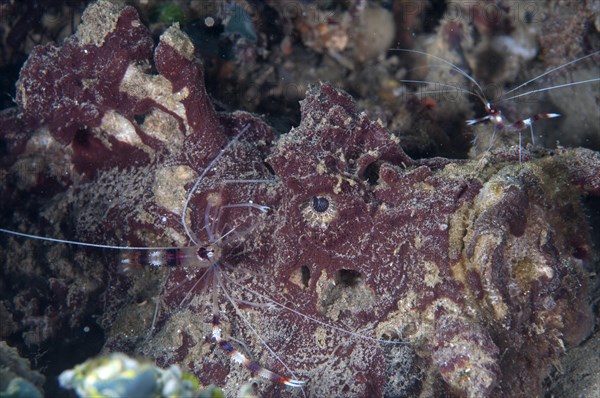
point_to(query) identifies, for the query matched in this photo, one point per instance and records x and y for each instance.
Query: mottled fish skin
(473, 267)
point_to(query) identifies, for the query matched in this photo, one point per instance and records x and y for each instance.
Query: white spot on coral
(169, 186)
(521, 48)
(120, 128)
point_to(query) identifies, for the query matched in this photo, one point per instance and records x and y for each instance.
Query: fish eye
(319, 211)
(320, 204)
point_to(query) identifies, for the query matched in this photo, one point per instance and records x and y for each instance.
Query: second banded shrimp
(502, 125)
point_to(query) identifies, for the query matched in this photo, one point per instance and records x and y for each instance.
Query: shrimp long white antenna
(459, 89)
(313, 319)
(199, 180)
(445, 61)
(548, 72)
(264, 373)
(85, 244)
(597, 79)
(261, 208)
(250, 181)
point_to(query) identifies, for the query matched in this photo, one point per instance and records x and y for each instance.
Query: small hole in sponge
(347, 277)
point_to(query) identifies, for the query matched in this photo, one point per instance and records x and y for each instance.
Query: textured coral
(16, 377)
(472, 266)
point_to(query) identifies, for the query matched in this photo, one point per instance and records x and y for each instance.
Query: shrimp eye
(204, 254)
(320, 204)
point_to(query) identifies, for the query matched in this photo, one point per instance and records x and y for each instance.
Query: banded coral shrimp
(207, 278)
(493, 113)
(206, 257)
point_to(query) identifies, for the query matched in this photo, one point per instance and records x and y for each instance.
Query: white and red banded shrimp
(206, 259)
(502, 125)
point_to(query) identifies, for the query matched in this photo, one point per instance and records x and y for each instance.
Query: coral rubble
(118, 375)
(470, 269)
(16, 377)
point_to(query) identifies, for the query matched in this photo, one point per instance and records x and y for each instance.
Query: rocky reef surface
(371, 274)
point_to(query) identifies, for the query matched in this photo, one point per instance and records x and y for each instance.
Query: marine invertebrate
(208, 260)
(500, 44)
(494, 114)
